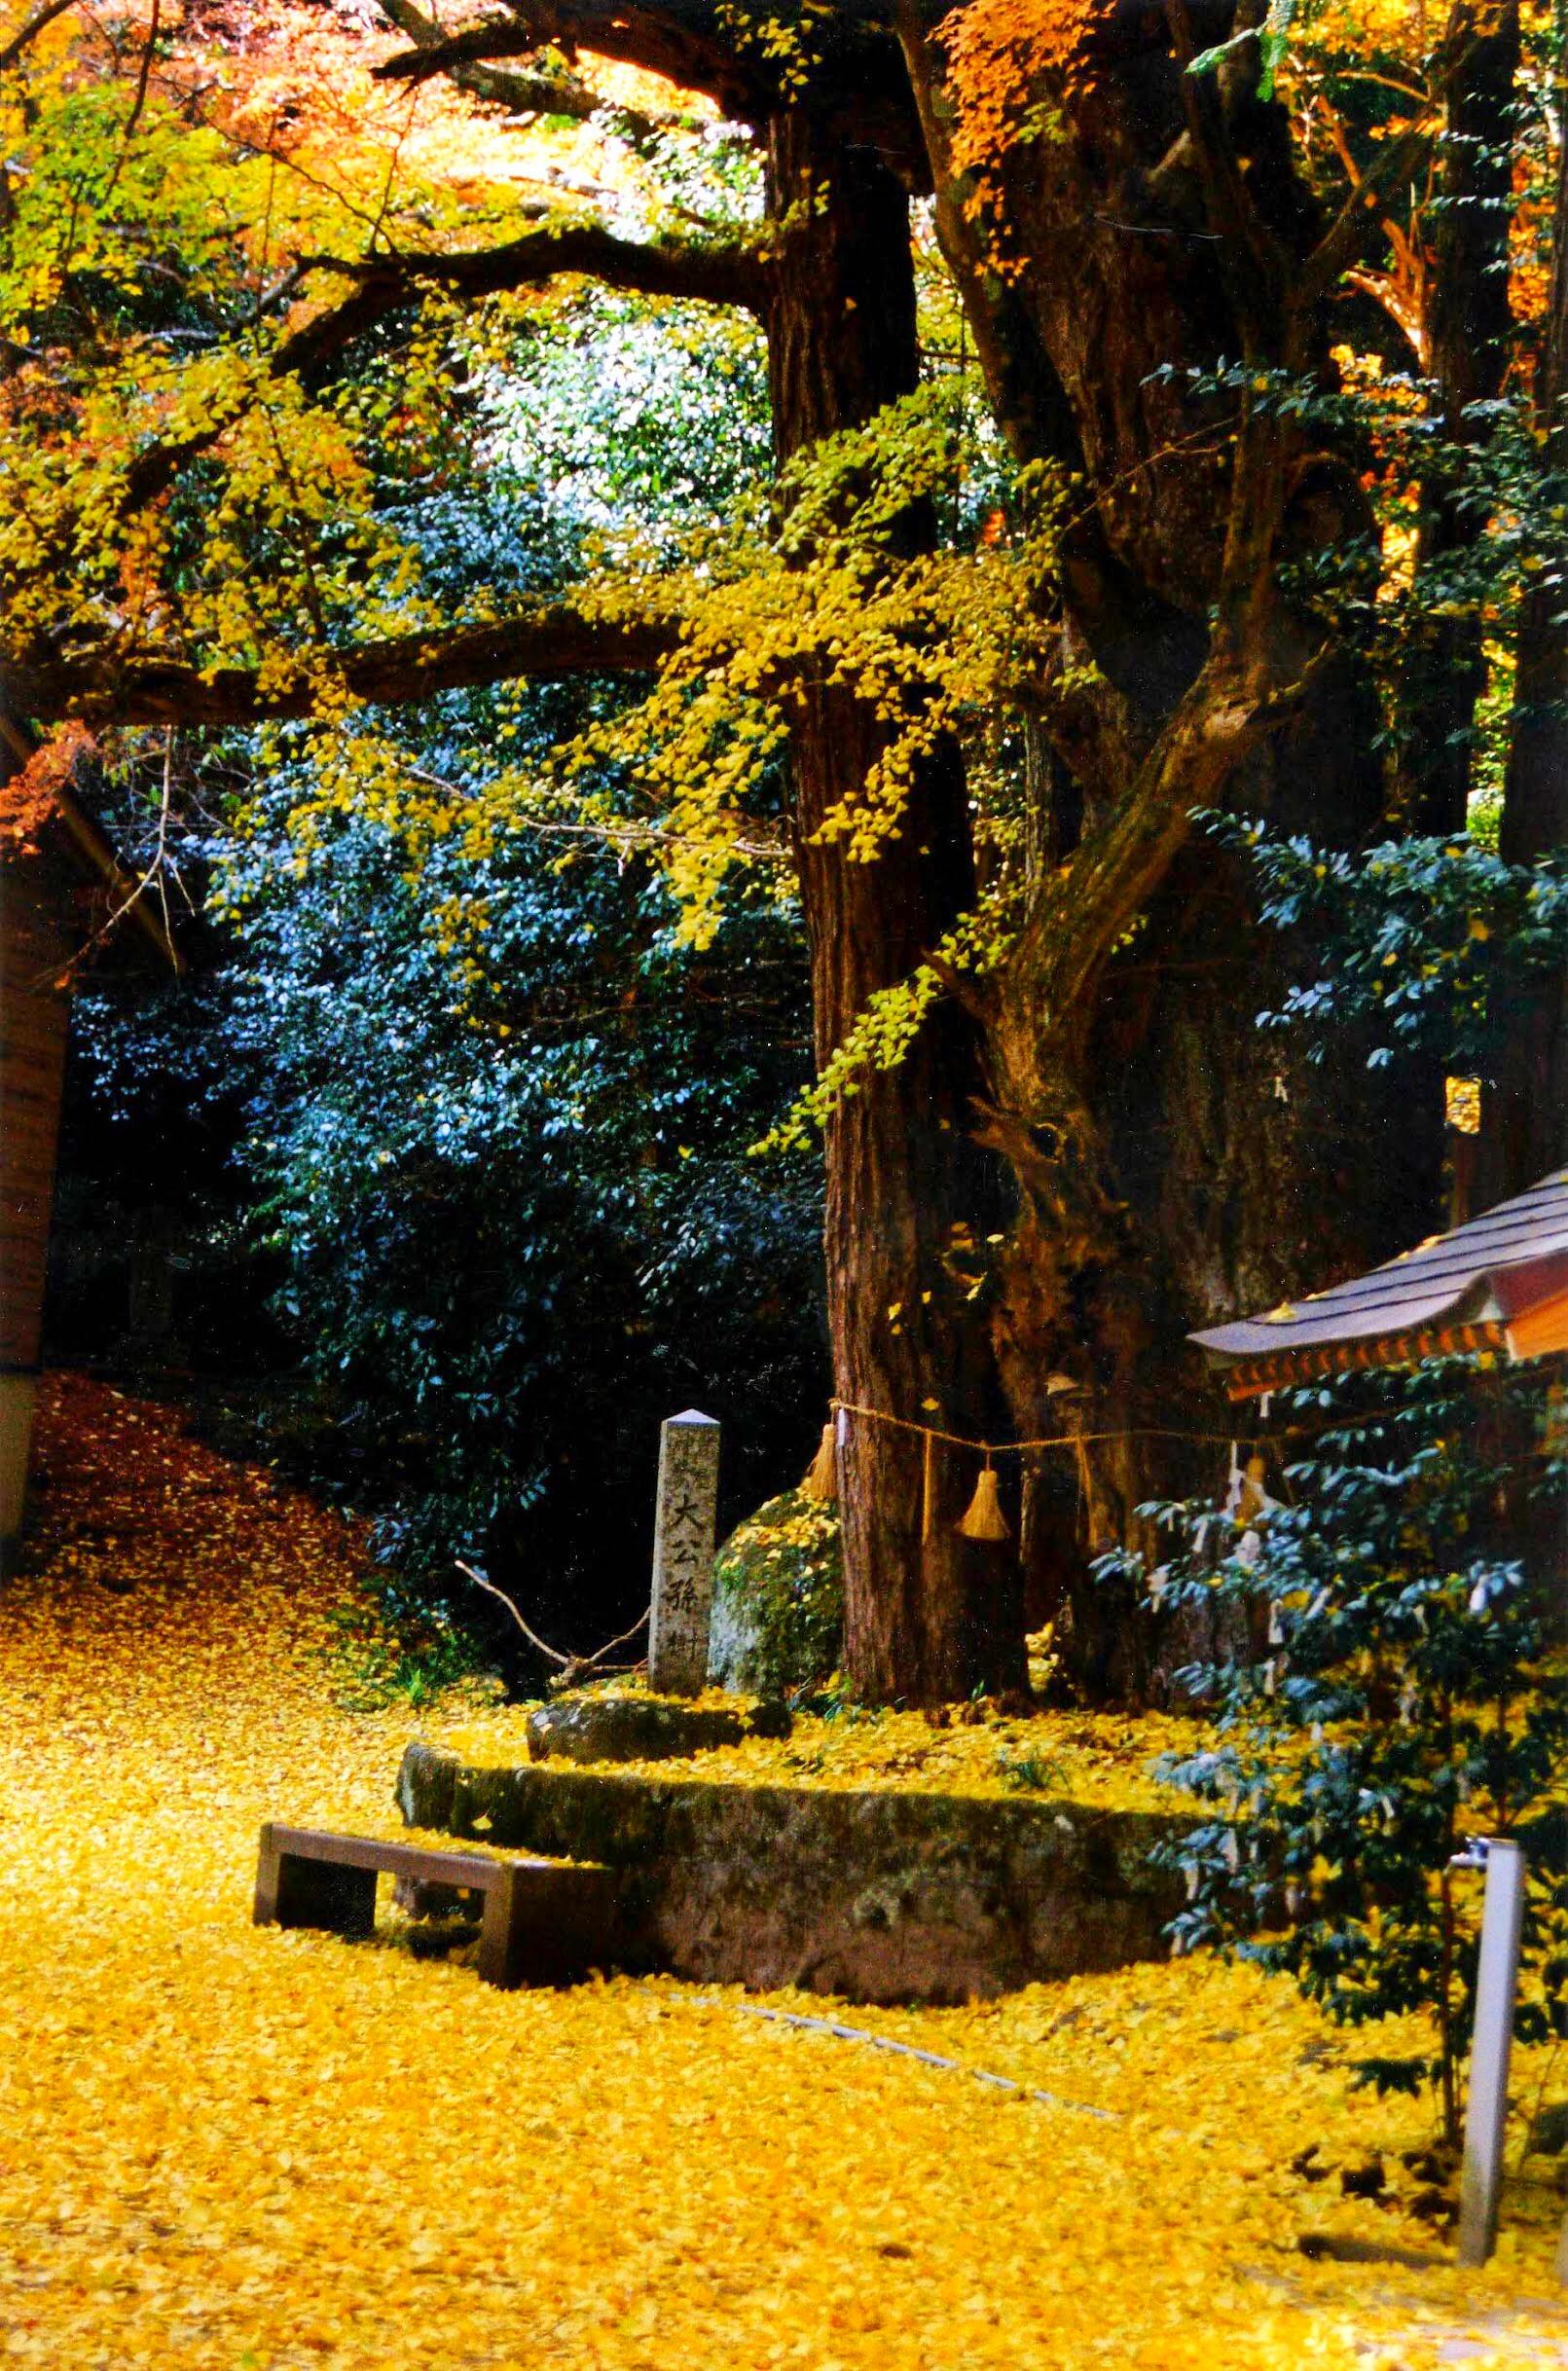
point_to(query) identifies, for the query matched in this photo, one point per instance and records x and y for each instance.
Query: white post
(683, 1553)
(1486, 2110)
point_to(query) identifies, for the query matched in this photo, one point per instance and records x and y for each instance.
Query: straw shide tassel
(820, 1481)
(983, 1518)
(928, 1488)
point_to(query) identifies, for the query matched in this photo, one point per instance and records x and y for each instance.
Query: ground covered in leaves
(252, 2150)
(1101, 1759)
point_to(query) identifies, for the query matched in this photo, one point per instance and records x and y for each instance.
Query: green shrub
(1409, 1688)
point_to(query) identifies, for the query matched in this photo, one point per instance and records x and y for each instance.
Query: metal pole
(1496, 1984)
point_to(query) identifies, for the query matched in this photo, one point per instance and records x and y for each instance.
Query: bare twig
(155, 870)
(137, 104)
(571, 1665)
(619, 836)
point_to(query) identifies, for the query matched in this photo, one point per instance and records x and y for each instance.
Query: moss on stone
(873, 1895)
(779, 1599)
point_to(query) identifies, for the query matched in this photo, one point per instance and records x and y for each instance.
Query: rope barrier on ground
(840, 2032)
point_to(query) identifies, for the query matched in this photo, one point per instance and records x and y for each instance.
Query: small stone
(1346, 2247)
(1549, 2131)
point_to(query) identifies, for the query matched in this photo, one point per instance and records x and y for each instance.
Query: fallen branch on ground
(571, 1666)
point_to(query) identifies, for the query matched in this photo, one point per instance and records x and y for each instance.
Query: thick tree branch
(437, 53)
(705, 274)
(545, 644)
(1255, 287)
(30, 30)
(460, 58)
(1361, 215)
(684, 45)
(383, 284)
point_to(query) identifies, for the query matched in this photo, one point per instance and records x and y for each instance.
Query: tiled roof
(1488, 1270)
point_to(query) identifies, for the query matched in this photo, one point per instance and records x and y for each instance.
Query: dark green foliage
(1408, 1686)
(1423, 945)
(492, 1114)
(513, 1199)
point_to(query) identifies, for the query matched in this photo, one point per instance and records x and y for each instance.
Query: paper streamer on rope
(983, 1518)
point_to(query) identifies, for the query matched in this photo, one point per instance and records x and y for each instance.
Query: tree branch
(573, 1666)
(705, 274)
(437, 53)
(731, 275)
(1227, 201)
(1362, 213)
(1047, 990)
(461, 56)
(544, 643)
(682, 44)
(29, 32)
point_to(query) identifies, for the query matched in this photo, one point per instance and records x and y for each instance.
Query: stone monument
(683, 1541)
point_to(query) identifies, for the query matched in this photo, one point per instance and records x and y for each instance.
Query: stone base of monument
(642, 1727)
(871, 1896)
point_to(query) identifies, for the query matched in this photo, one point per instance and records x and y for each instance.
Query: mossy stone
(777, 1621)
(640, 1728)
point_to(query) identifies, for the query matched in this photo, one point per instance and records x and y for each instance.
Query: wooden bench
(543, 1921)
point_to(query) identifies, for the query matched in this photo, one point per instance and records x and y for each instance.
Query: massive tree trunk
(1133, 224)
(1524, 1109)
(1190, 1169)
(929, 1614)
(1469, 334)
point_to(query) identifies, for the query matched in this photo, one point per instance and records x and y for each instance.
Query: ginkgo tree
(246, 305)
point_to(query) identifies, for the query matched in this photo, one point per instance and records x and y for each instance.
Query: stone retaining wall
(872, 1896)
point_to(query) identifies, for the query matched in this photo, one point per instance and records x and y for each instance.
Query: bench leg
(540, 1928)
(265, 1910)
(315, 1893)
(499, 1959)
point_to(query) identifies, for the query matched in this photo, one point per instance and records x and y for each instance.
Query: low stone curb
(871, 1896)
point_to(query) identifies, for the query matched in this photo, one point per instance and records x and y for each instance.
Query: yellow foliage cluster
(236, 2150)
(929, 647)
(1010, 63)
(259, 138)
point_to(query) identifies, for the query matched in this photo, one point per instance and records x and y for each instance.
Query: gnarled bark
(1163, 1149)
(1524, 1109)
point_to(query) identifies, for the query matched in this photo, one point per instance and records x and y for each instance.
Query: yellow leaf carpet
(254, 2150)
(1098, 1758)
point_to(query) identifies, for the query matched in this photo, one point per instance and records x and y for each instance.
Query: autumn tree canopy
(1165, 417)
